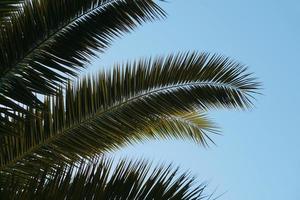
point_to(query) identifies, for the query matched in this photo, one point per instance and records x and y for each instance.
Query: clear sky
(258, 156)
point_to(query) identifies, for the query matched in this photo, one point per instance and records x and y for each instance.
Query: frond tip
(99, 180)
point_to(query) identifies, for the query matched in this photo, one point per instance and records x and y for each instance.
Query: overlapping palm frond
(7, 7)
(99, 180)
(51, 40)
(145, 99)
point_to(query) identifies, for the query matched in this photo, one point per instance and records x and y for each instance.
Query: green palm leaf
(99, 180)
(27, 154)
(146, 99)
(50, 40)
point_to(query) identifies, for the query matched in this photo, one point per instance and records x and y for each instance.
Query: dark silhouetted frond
(49, 41)
(134, 180)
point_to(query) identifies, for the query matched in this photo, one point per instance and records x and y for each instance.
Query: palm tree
(54, 132)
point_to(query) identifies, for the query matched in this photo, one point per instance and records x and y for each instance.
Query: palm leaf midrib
(10, 72)
(114, 107)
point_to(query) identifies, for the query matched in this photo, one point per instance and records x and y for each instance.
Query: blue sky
(258, 155)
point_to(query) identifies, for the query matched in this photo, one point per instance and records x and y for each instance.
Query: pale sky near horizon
(257, 157)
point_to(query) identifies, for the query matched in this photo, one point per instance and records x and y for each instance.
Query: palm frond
(7, 7)
(196, 124)
(51, 40)
(146, 99)
(40, 148)
(99, 180)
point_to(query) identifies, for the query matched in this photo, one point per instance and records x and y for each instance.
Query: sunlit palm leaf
(126, 106)
(99, 180)
(51, 40)
(196, 125)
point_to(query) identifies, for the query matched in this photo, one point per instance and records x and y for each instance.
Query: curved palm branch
(27, 160)
(130, 104)
(50, 40)
(99, 180)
